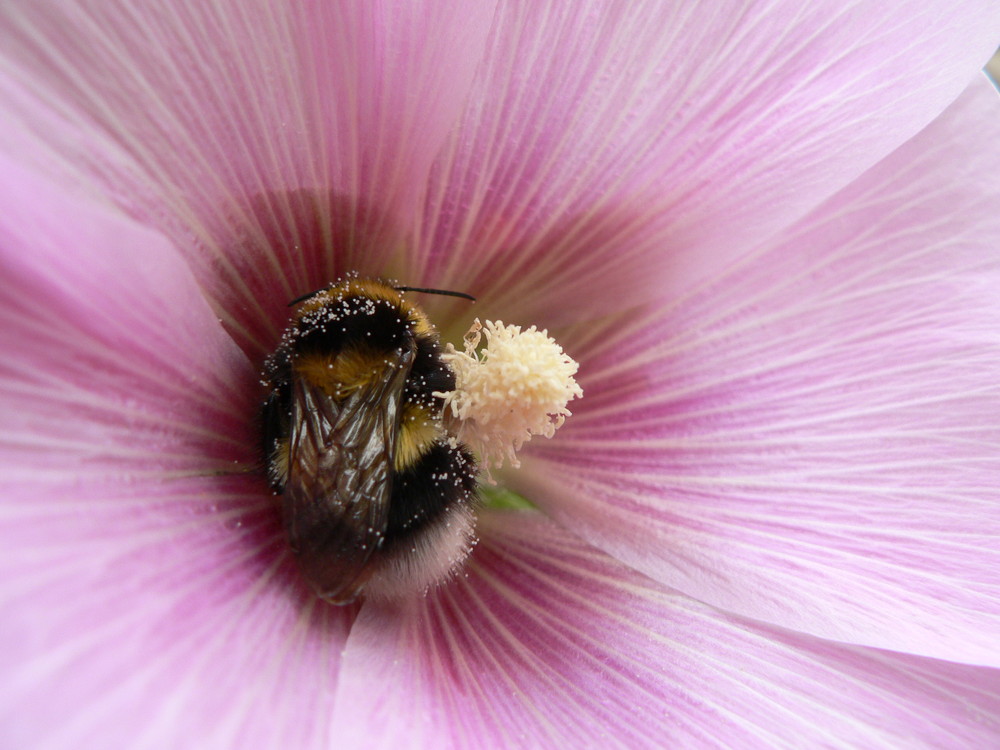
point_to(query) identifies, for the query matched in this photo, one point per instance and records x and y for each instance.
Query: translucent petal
(550, 643)
(813, 439)
(623, 151)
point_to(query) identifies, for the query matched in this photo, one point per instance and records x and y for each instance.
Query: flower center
(517, 386)
(369, 430)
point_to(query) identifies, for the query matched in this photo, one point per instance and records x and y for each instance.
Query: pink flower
(768, 234)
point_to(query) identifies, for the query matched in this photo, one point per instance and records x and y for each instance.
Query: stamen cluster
(515, 387)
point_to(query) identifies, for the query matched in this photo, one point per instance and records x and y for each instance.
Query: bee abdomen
(423, 493)
(431, 525)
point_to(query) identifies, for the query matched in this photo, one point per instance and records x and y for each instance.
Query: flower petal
(147, 597)
(256, 135)
(162, 615)
(632, 149)
(814, 439)
(105, 331)
(550, 643)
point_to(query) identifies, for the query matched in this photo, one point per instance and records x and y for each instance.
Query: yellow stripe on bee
(417, 432)
(341, 374)
(421, 325)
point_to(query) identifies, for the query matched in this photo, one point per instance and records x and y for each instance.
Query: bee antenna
(445, 292)
(304, 297)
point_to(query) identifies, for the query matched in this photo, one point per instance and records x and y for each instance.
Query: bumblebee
(376, 497)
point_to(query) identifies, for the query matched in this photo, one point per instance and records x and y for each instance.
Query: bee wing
(341, 456)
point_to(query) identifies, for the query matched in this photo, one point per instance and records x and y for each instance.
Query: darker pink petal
(550, 643)
(276, 144)
(813, 439)
(163, 614)
(148, 598)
